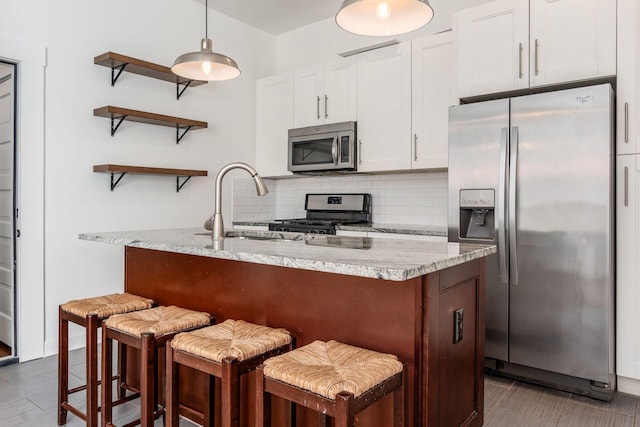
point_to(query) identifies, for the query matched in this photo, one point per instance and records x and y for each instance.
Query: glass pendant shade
(383, 17)
(205, 65)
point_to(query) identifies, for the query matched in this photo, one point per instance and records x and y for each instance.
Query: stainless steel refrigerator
(534, 175)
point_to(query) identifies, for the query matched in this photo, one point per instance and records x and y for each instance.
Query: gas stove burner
(327, 211)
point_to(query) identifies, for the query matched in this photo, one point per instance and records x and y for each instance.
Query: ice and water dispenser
(477, 214)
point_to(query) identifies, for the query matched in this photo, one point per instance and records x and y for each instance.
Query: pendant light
(383, 17)
(205, 64)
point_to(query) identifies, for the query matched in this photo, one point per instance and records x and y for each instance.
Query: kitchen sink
(259, 235)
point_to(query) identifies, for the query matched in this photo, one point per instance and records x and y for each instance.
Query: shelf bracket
(178, 185)
(115, 128)
(178, 136)
(113, 184)
(114, 76)
(180, 92)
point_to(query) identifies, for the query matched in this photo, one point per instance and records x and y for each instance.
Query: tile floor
(28, 398)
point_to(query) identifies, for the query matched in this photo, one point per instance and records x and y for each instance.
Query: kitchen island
(422, 301)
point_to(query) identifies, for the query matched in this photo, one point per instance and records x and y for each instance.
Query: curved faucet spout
(216, 223)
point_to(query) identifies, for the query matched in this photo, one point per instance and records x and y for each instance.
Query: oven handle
(334, 150)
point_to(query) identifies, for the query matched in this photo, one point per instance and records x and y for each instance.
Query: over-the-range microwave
(322, 148)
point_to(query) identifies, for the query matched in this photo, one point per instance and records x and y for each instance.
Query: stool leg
(263, 401)
(230, 393)
(63, 366)
(147, 380)
(344, 414)
(400, 403)
(91, 367)
(324, 420)
(122, 370)
(107, 386)
(172, 379)
(210, 402)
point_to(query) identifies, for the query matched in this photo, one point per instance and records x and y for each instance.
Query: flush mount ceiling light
(205, 64)
(383, 17)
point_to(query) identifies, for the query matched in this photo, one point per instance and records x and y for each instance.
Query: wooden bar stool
(226, 351)
(334, 379)
(89, 313)
(147, 330)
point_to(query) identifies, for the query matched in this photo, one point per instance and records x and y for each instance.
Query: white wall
(401, 198)
(78, 200)
(324, 40)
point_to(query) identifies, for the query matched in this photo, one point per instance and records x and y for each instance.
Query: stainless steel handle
(360, 151)
(626, 122)
(415, 147)
(626, 186)
(326, 106)
(334, 151)
(318, 108)
(502, 207)
(536, 57)
(520, 61)
(513, 230)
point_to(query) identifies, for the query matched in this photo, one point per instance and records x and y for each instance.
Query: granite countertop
(390, 259)
(422, 230)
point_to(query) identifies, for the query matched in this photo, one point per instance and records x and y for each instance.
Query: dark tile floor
(28, 398)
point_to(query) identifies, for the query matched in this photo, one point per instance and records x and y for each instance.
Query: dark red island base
(413, 319)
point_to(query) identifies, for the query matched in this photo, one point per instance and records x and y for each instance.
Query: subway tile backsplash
(402, 198)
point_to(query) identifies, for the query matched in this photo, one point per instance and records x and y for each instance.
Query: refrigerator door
(561, 293)
(478, 139)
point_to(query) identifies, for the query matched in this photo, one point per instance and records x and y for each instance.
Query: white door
(340, 91)
(627, 94)
(493, 47)
(432, 95)
(384, 109)
(6, 203)
(309, 96)
(274, 118)
(572, 40)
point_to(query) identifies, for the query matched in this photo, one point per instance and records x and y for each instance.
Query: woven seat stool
(89, 313)
(225, 351)
(148, 331)
(334, 379)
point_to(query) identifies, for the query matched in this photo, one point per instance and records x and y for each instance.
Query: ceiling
(277, 16)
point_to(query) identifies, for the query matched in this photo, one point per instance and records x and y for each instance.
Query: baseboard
(629, 385)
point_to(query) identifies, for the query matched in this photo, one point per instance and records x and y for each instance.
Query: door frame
(29, 59)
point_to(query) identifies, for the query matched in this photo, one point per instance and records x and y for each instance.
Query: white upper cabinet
(274, 118)
(571, 40)
(492, 43)
(506, 45)
(628, 75)
(325, 93)
(384, 109)
(432, 94)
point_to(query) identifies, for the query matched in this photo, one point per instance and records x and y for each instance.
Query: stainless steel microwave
(323, 148)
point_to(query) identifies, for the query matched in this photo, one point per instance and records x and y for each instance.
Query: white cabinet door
(384, 109)
(274, 117)
(571, 40)
(432, 94)
(340, 91)
(308, 94)
(627, 268)
(627, 96)
(325, 93)
(492, 42)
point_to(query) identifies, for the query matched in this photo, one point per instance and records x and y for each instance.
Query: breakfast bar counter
(422, 301)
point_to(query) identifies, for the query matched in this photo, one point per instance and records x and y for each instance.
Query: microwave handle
(334, 150)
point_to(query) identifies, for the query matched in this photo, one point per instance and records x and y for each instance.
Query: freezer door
(478, 137)
(561, 292)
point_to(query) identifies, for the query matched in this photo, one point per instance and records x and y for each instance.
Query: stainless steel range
(326, 211)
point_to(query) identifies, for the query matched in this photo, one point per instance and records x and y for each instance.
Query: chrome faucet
(216, 223)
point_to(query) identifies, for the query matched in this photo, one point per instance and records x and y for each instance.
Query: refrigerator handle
(502, 206)
(513, 170)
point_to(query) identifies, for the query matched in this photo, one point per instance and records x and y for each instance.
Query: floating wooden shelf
(119, 63)
(123, 170)
(120, 114)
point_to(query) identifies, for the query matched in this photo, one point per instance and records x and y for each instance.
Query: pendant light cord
(206, 19)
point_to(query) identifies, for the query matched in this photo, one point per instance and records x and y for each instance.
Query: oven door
(321, 152)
